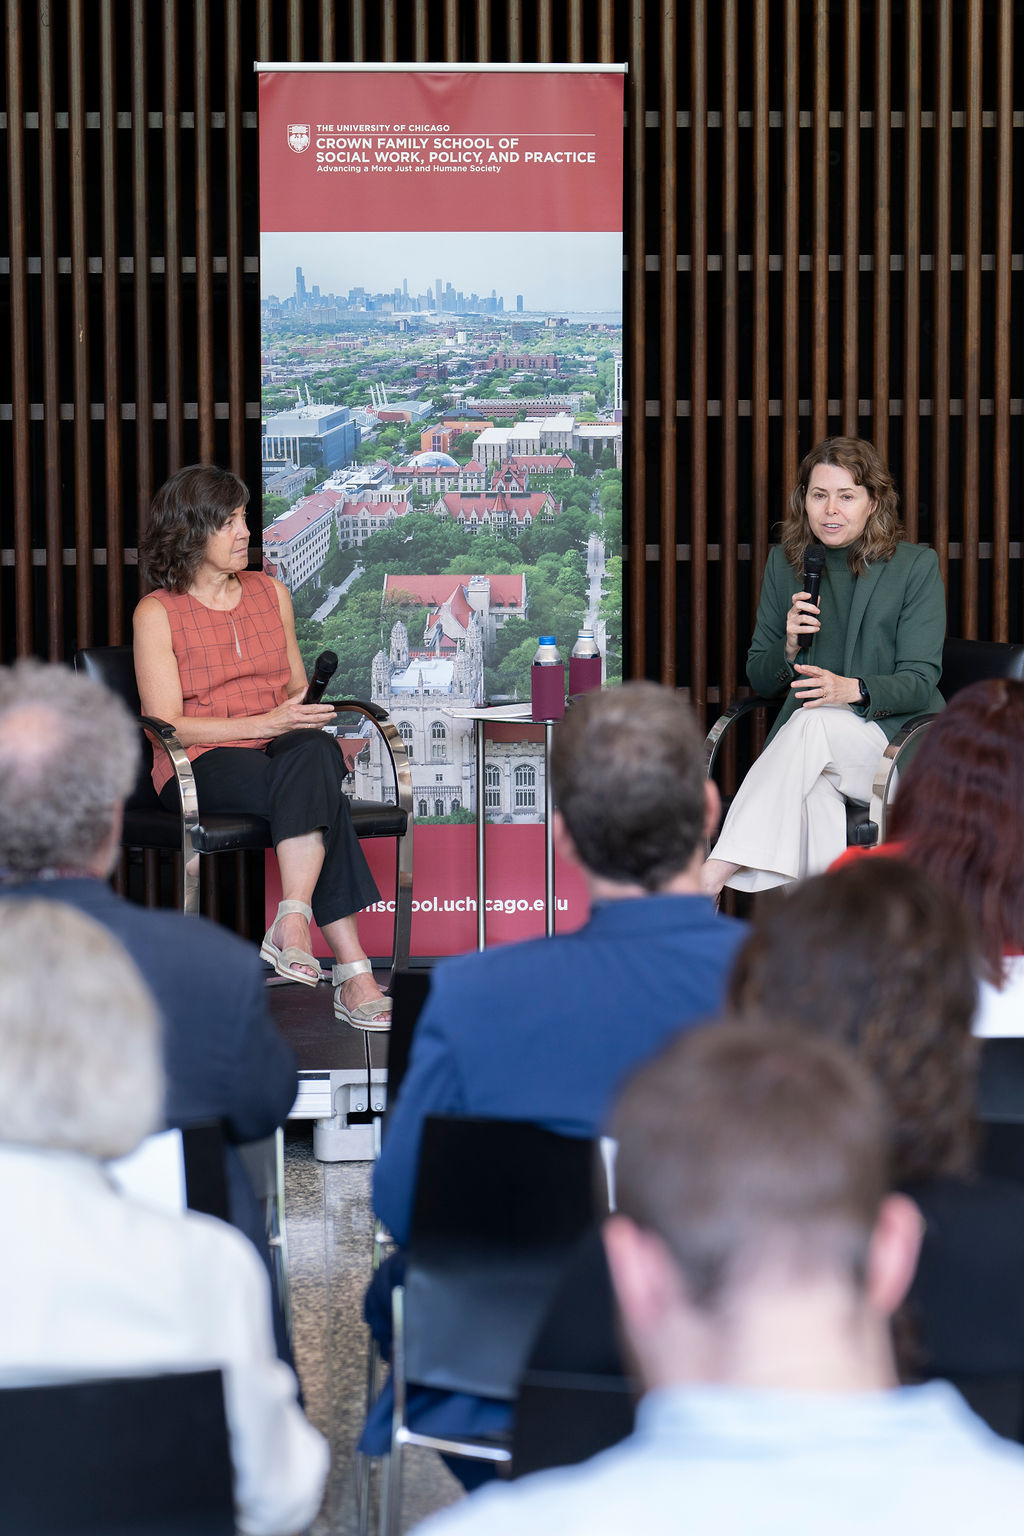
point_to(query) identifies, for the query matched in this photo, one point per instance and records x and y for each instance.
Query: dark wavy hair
(878, 957)
(884, 529)
(187, 508)
(959, 812)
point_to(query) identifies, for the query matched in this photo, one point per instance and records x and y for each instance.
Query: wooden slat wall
(819, 238)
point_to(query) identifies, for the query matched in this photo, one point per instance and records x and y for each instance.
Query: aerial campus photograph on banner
(441, 310)
(442, 478)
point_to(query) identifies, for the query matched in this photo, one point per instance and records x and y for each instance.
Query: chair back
(574, 1397)
(132, 1456)
(409, 991)
(498, 1206)
(114, 667)
(972, 661)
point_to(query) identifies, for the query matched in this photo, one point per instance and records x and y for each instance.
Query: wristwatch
(865, 697)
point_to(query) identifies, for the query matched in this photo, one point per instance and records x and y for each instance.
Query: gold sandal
(291, 955)
(366, 1015)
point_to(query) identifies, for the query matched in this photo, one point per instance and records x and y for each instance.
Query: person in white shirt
(757, 1258)
(93, 1283)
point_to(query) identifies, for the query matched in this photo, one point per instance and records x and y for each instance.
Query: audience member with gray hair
(92, 1282)
(69, 756)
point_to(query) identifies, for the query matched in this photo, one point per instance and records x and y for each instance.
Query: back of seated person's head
(627, 773)
(756, 1159)
(878, 957)
(69, 753)
(959, 810)
(79, 1036)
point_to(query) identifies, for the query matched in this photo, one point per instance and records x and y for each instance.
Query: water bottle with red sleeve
(547, 681)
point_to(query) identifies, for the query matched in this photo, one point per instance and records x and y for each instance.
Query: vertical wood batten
(698, 366)
(328, 32)
(729, 616)
(483, 31)
(204, 236)
(575, 31)
(760, 491)
(294, 21)
(263, 47)
(820, 250)
(51, 339)
(514, 23)
(358, 30)
(1004, 257)
(635, 343)
(791, 250)
(83, 627)
(972, 324)
(883, 219)
(669, 343)
(606, 31)
(172, 241)
(546, 31)
(142, 294)
(851, 221)
(235, 254)
(113, 473)
(941, 262)
(419, 31)
(16, 205)
(451, 31)
(911, 389)
(389, 31)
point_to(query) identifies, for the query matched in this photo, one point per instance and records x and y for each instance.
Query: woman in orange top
(216, 656)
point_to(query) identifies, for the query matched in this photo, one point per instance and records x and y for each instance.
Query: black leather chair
(499, 1205)
(963, 662)
(131, 1456)
(147, 824)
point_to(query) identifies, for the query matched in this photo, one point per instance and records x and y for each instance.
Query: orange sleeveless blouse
(231, 662)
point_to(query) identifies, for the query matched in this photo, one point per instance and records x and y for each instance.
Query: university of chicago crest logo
(298, 137)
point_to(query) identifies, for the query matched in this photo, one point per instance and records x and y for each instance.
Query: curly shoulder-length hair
(187, 508)
(959, 813)
(882, 960)
(884, 529)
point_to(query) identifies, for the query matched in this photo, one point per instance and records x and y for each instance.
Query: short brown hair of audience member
(186, 510)
(662, 801)
(755, 1157)
(878, 957)
(865, 464)
(959, 812)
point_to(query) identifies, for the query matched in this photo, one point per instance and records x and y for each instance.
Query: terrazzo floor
(329, 1232)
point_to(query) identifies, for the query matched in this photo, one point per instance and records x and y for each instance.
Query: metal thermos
(584, 664)
(547, 681)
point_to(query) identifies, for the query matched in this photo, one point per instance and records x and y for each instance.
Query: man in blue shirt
(546, 1030)
(757, 1259)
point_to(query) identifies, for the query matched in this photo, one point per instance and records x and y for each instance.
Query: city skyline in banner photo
(442, 430)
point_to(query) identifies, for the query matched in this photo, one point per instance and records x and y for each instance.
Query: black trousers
(296, 790)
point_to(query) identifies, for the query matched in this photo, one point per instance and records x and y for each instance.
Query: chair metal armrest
(402, 772)
(888, 769)
(164, 736)
(725, 722)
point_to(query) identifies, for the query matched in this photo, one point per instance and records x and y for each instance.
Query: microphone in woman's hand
(814, 564)
(324, 669)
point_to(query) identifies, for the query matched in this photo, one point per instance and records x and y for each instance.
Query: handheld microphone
(814, 564)
(324, 669)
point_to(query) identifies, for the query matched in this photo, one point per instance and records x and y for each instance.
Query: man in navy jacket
(546, 1030)
(69, 756)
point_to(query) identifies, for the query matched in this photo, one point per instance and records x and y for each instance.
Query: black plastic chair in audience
(498, 1207)
(575, 1398)
(963, 662)
(127, 1456)
(148, 824)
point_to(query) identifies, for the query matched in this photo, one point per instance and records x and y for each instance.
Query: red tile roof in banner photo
(432, 591)
(307, 512)
(465, 503)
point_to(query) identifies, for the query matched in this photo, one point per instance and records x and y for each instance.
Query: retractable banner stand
(441, 284)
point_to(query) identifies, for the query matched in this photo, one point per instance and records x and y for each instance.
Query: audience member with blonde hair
(96, 1284)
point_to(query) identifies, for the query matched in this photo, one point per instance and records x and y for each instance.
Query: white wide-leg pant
(788, 819)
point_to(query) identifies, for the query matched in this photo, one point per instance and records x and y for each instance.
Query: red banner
(441, 302)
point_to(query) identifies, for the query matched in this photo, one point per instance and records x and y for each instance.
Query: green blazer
(893, 638)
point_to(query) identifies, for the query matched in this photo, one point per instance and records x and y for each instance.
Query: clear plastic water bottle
(584, 664)
(547, 681)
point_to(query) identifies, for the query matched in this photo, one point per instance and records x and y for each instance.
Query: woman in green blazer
(854, 667)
